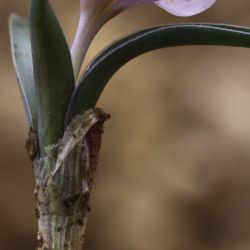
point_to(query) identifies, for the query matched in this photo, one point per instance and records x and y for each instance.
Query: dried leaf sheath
(64, 180)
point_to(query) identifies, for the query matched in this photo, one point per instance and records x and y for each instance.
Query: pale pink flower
(95, 13)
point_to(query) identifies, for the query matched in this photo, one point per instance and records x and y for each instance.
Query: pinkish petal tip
(185, 7)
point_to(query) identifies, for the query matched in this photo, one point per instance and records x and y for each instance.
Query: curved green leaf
(105, 65)
(54, 79)
(22, 58)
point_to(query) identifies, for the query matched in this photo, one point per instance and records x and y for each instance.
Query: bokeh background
(174, 169)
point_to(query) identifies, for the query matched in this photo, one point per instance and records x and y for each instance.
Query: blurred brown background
(174, 169)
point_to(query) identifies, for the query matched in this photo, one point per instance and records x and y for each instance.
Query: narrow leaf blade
(22, 59)
(111, 59)
(53, 72)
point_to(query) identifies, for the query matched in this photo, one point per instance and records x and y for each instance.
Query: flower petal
(95, 13)
(117, 3)
(185, 7)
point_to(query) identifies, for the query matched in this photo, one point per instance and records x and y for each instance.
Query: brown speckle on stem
(31, 144)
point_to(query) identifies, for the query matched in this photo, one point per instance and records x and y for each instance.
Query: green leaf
(22, 58)
(54, 79)
(106, 64)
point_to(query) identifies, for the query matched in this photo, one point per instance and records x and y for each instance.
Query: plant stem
(63, 195)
